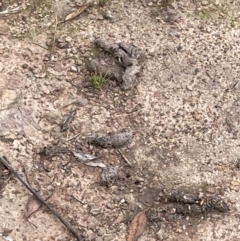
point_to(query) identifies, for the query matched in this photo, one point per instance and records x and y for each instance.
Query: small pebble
(100, 232)
(232, 200)
(234, 188)
(234, 183)
(108, 15)
(68, 39)
(211, 190)
(200, 195)
(179, 230)
(204, 3)
(110, 206)
(95, 210)
(73, 69)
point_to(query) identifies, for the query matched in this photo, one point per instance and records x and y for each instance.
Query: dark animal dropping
(114, 140)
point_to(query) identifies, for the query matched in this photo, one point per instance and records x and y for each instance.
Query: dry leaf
(32, 206)
(76, 13)
(137, 226)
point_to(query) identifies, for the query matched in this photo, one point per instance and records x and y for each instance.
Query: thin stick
(73, 137)
(54, 36)
(65, 222)
(8, 10)
(124, 157)
(76, 198)
(31, 42)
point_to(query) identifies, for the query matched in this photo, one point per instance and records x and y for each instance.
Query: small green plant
(204, 184)
(98, 80)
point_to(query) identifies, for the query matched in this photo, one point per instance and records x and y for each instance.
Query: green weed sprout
(98, 80)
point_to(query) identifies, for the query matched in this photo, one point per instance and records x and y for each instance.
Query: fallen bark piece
(84, 157)
(88, 160)
(109, 172)
(137, 226)
(114, 140)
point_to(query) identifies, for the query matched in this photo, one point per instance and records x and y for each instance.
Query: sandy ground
(184, 113)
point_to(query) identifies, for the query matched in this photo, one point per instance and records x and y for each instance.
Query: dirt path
(183, 112)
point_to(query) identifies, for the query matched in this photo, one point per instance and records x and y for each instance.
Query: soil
(181, 164)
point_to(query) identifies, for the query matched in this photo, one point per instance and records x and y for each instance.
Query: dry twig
(79, 237)
(54, 36)
(124, 157)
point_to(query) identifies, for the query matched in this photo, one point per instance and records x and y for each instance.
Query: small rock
(211, 190)
(100, 233)
(232, 200)
(95, 210)
(200, 195)
(204, 3)
(114, 188)
(24, 66)
(73, 69)
(192, 61)
(45, 89)
(68, 39)
(110, 206)
(234, 188)
(108, 15)
(234, 183)
(179, 230)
